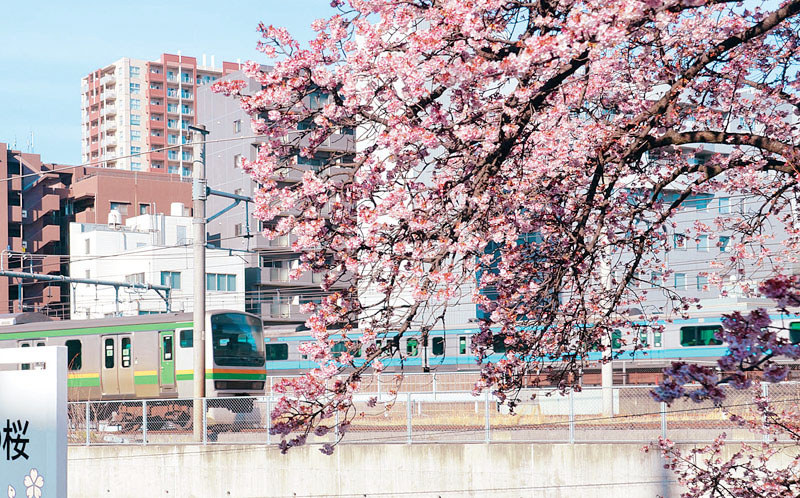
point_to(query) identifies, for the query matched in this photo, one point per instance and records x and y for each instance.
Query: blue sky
(46, 47)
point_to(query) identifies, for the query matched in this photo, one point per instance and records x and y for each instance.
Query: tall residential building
(134, 106)
(269, 290)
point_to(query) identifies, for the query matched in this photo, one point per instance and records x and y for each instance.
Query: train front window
(237, 340)
(794, 332)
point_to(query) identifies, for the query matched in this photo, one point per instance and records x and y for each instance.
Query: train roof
(107, 322)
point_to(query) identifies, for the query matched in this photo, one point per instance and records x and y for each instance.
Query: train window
(794, 332)
(109, 352)
(643, 337)
(126, 352)
(73, 354)
(656, 339)
(186, 338)
(700, 336)
(616, 339)
(438, 346)
(412, 347)
(499, 344)
(277, 351)
(166, 347)
(25, 366)
(462, 345)
(339, 348)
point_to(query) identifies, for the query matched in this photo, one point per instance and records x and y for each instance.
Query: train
(151, 357)
(449, 350)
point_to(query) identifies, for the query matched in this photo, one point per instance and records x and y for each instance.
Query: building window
(172, 108)
(172, 123)
(186, 77)
(136, 149)
(680, 281)
(136, 120)
(173, 170)
(171, 76)
(136, 166)
(135, 88)
(702, 282)
(155, 101)
(724, 205)
(186, 171)
(186, 94)
(679, 241)
(237, 161)
(172, 154)
(156, 117)
(74, 354)
(156, 165)
(702, 243)
(220, 282)
(135, 278)
(187, 155)
(155, 86)
(143, 208)
(723, 244)
(122, 207)
(171, 279)
(87, 246)
(136, 135)
(237, 126)
(136, 104)
(237, 230)
(172, 139)
(135, 71)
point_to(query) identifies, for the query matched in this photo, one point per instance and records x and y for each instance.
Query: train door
(166, 349)
(125, 366)
(109, 380)
(116, 366)
(30, 344)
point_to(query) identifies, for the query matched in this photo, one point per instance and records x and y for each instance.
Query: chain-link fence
(619, 414)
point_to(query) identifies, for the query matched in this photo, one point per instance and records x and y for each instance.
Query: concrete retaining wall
(439, 470)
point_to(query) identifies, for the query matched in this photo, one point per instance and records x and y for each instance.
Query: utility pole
(607, 368)
(199, 195)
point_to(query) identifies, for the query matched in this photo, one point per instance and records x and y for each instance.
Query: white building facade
(148, 249)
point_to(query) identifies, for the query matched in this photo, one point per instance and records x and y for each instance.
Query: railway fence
(441, 417)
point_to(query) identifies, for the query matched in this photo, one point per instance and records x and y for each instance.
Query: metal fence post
(269, 420)
(663, 420)
(571, 417)
(144, 421)
(205, 420)
(88, 421)
(408, 417)
(487, 424)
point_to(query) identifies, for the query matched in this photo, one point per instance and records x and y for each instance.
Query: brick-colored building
(134, 106)
(42, 199)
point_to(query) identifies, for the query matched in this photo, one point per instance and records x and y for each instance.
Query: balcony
(50, 202)
(109, 142)
(109, 110)
(108, 80)
(109, 125)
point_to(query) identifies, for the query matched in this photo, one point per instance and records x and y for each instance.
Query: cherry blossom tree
(544, 146)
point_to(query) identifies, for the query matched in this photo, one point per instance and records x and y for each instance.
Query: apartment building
(134, 106)
(269, 291)
(40, 200)
(147, 249)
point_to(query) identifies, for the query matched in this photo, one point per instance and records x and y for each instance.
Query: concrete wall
(497, 470)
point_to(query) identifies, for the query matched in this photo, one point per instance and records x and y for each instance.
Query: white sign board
(33, 422)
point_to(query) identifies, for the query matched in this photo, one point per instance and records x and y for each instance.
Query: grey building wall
(269, 290)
